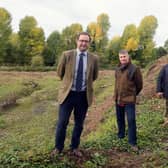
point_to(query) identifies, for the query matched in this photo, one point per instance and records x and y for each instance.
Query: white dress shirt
(84, 70)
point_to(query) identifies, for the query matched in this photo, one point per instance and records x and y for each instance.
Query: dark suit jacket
(162, 81)
(66, 71)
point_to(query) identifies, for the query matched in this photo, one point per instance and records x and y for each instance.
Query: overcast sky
(54, 15)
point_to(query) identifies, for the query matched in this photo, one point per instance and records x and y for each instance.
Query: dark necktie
(79, 77)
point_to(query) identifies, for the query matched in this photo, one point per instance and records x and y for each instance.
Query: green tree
(92, 30)
(53, 48)
(13, 54)
(37, 41)
(103, 25)
(99, 34)
(132, 44)
(5, 32)
(69, 35)
(37, 61)
(166, 45)
(146, 32)
(113, 49)
(32, 39)
(129, 34)
(159, 52)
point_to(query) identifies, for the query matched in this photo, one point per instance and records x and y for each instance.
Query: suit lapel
(88, 65)
(73, 62)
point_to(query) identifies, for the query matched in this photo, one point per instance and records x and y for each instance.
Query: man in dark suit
(77, 69)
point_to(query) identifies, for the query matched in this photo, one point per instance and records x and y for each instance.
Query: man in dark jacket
(128, 84)
(162, 88)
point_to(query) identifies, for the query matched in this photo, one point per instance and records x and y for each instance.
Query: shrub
(37, 61)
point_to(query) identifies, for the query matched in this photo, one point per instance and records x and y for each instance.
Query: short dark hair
(123, 51)
(83, 33)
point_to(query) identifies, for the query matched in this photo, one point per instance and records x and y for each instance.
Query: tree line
(29, 46)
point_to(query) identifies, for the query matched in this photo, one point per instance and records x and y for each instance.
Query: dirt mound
(96, 115)
(96, 158)
(150, 76)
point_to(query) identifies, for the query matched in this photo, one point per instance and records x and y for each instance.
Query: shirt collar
(79, 52)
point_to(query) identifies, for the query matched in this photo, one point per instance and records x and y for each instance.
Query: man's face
(83, 42)
(124, 58)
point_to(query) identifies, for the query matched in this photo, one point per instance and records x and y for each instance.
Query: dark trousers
(77, 102)
(129, 109)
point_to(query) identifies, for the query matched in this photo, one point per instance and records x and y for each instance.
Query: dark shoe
(134, 148)
(76, 152)
(55, 152)
(121, 137)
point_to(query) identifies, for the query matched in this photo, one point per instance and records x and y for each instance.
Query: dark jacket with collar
(128, 83)
(162, 81)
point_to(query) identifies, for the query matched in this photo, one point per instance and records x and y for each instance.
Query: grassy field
(28, 114)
